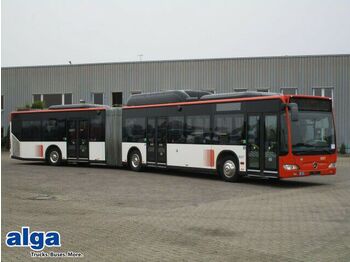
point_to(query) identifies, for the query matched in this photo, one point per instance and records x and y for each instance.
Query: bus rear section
(76, 133)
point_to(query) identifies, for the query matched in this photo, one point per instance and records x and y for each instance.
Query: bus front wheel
(135, 160)
(54, 157)
(228, 169)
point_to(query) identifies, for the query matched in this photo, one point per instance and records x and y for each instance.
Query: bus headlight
(290, 167)
(332, 165)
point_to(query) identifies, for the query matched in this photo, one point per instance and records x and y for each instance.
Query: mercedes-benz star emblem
(314, 165)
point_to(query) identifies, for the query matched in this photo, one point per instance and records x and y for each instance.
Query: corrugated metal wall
(221, 75)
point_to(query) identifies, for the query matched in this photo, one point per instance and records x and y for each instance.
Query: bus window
(176, 129)
(228, 129)
(16, 128)
(198, 129)
(97, 130)
(31, 130)
(135, 129)
(53, 130)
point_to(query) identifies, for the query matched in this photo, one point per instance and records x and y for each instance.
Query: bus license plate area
(311, 173)
(314, 173)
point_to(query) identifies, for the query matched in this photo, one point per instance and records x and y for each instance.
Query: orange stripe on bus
(41, 150)
(211, 157)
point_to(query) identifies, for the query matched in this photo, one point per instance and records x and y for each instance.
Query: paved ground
(117, 215)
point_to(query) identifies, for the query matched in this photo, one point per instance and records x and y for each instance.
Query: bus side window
(31, 130)
(135, 129)
(176, 129)
(198, 129)
(228, 129)
(16, 127)
(53, 130)
(97, 130)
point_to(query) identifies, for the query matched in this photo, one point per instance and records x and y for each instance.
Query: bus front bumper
(301, 166)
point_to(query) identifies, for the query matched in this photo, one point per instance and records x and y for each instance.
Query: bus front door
(253, 143)
(78, 139)
(156, 140)
(161, 140)
(262, 144)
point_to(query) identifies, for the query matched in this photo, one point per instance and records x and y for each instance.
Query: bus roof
(64, 108)
(214, 98)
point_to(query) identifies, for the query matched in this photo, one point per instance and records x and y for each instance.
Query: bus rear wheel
(54, 157)
(135, 160)
(228, 169)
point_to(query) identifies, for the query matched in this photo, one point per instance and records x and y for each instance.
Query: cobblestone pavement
(117, 215)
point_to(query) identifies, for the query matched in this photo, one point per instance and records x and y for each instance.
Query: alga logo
(36, 240)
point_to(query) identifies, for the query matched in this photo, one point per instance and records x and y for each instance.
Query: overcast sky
(38, 32)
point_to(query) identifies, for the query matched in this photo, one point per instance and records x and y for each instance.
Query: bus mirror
(293, 107)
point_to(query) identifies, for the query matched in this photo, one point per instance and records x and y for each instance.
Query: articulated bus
(233, 135)
(75, 133)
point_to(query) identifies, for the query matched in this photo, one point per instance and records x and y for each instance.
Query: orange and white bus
(233, 135)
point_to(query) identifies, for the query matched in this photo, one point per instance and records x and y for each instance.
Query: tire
(228, 169)
(135, 160)
(54, 156)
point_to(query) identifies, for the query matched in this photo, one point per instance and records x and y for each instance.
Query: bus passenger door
(83, 139)
(262, 144)
(254, 143)
(151, 140)
(270, 144)
(72, 139)
(161, 140)
(78, 139)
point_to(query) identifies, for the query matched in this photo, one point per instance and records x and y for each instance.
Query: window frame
(289, 88)
(323, 91)
(64, 98)
(117, 92)
(97, 93)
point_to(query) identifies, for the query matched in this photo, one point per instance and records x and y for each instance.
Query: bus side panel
(97, 151)
(126, 147)
(202, 156)
(37, 149)
(15, 150)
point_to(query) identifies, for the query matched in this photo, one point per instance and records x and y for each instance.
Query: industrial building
(113, 83)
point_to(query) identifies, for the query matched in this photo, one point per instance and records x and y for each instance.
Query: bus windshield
(313, 133)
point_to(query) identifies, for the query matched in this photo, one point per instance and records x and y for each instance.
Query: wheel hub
(54, 156)
(229, 168)
(135, 160)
